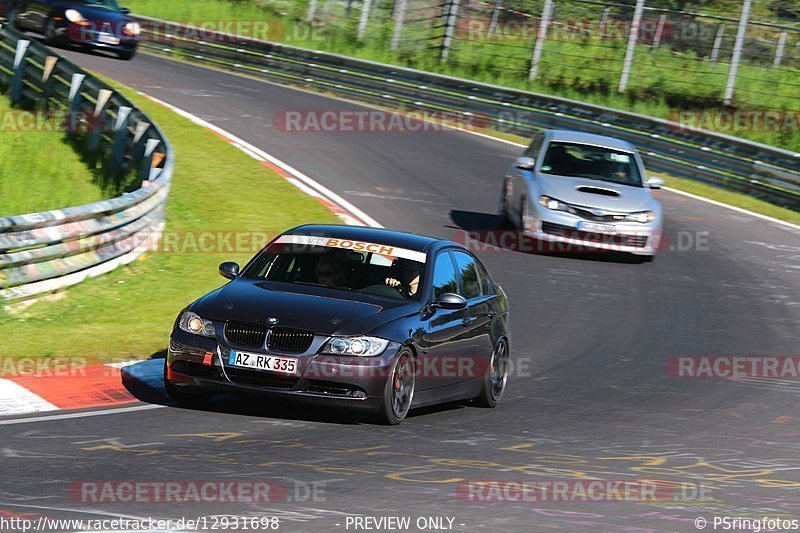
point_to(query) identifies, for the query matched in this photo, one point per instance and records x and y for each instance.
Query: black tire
(495, 379)
(126, 55)
(404, 366)
(188, 397)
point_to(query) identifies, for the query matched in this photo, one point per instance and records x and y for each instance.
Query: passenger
(330, 272)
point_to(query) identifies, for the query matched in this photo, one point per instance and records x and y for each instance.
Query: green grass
(662, 82)
(38, 170)
(129, 312)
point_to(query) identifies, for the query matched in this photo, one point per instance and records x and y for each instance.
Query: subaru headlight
(196, 325)
(643, 217)
(356, 346)
(552, 203)
(132, 28)
(74, 16)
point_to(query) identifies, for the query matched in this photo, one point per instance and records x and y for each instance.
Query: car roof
(589, 138)
(409, 241)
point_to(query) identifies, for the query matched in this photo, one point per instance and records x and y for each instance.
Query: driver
(407, 280)
(330, 272)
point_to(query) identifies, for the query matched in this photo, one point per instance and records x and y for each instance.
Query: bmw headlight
(357, 346)
(74, 16)
(132, 28)
(196, 325)
(552, 203)
(643, 217)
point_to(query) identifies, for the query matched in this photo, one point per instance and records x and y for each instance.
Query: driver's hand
(392, 282)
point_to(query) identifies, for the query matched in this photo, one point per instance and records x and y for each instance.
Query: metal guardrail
(762, 171)
(45, 252)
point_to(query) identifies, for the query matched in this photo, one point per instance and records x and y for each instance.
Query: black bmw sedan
(97, 24)
(352, 317)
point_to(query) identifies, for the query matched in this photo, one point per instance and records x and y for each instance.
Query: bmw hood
(595, 193)
(316, 309)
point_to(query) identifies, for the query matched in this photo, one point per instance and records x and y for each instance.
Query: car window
(535, 146)
(468, 271)
(487, 285)
(444, 276)
(591, 162)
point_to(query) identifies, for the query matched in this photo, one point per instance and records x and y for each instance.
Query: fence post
(399, 15)
(19, 70)
(629, 53)
(450, 28)
(779, 50)
(312, 11)
(541, 35)
(120, 139)
(75, 101)
(603, 21)
(139, 145)
(364, 20)
(662, 20)
(741, 33)
(495, 15)
(717, 44)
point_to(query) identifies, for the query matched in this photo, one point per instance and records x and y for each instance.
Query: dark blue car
(97, 24)
(354, 318)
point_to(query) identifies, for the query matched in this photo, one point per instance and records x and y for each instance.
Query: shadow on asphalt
(486, 232)
(145, 381)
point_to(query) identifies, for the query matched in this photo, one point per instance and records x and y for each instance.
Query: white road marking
(87, 414)
(16, 399)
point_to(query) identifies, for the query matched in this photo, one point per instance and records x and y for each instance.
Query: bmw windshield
(591, 162)
(366, 268)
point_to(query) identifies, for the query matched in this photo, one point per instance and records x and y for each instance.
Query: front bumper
(99, 39)
(562, 227)
(356, 383)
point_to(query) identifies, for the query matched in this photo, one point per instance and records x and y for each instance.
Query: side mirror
(450, 301)
(229, 270)
(525, 163)
(655, 182)
(125, 11)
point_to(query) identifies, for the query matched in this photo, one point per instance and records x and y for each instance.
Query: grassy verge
(129, 312)
(38, 170)
(662, 81)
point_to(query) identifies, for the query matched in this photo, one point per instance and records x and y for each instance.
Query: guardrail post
(541, 35)
(75, 97)
(147, 160)
(120, 139)
(19, 70)
(662, 20)
(139, 145)
(741, 33)
(495, 15)
(312, 10)
(97, 123)
(629, 53)
(450, 28)
(49, 65)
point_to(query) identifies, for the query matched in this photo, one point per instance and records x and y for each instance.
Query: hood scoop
(598, 190)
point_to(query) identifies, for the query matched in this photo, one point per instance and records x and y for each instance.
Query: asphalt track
(590, 395)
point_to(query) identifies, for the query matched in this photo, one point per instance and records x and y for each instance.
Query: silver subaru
(586, 191)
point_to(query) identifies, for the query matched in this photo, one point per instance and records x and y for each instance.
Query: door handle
(468, 320)
(492, 314)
